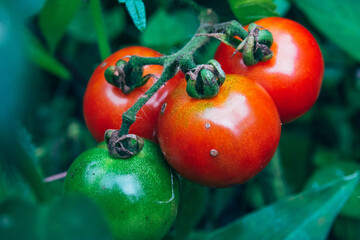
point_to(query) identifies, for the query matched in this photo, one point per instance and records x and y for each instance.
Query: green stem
(136, 61)
(129, 116)
(183, 59)
(98, 20)
(272, 180)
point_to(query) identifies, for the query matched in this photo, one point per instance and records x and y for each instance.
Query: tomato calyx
(256, 46)
(126, 77)
(204, 80)
(123, 147)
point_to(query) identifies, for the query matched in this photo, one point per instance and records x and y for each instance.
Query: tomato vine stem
(183, 60)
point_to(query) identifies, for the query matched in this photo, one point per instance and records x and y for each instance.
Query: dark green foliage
(43, 43)
(66, 218)
(248, 11)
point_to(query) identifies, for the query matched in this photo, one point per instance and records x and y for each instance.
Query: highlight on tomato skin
(293, 76)
(104, 104)
(221, 141)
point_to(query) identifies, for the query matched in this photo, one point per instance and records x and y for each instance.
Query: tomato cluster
(215, 142)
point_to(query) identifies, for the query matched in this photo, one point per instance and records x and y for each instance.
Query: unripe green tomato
(139, 195)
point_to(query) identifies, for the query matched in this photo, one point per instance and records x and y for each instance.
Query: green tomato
(139, 196)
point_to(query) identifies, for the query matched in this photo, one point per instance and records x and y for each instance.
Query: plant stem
(98, 20)
(55, 177)
(129, 116)
(273, 180)
(183, 59)
(170, 69)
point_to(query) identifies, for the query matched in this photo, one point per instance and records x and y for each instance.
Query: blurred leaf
(191, 208)
(282, 6)
(55, 17)
(37, 53)
(253, 195)
(272, 180)
(324, 157)
(346, 229)
(26, 142)
(65, 218)
(295, 148)
(15, 218)
(220, 199)
(338, 117)
(248, 11)
(315, 211)
(327, 15)
(24, 8)
(114, 21)
(56, 187)
(160, 31)
(136, 9)
(339, 170)
(12, 68)
(12, 184)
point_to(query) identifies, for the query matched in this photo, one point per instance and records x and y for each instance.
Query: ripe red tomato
(220, 141)
(104, 104)
(293, 76)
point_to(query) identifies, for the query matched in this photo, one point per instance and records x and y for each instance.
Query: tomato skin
(139, 196)
(241, 123)
(293, 76)
(104, 104)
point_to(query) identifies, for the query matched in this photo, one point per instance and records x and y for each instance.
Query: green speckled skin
(140, 195)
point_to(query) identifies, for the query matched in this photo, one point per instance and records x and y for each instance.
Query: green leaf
(26, 142)
(191, 208)
(54, 19)
(248, 11)
(136, 9)
(272, 180)
(308, 215)
(37, 54)
(346, 228)
(12, 184)
(337, 20)
(282, 6)
(295, 147)
(24, 8)
(65, 218)
(15, 217)
(160, 32)
(80, 29)
(338, 170)
(220, 199)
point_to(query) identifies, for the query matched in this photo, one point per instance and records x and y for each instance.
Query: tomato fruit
(221, 141)
(293, 76)
(139, 195)
(104, 104)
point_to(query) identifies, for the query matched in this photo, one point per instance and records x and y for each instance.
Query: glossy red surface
(104, 104)
(220, 141)
(293, 76)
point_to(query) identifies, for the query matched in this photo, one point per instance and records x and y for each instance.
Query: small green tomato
(139, 195)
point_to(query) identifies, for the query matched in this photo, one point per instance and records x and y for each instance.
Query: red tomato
(221, 141)
(104, 104)
(293, 76)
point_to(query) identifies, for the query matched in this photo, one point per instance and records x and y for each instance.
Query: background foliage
(48, 50)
